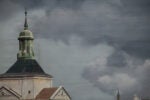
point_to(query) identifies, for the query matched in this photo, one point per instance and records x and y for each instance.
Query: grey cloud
(138, 48)
(99, 22)
(137, 6)
(7, 9)
(117, 59)
(131, 79)
(93, 19)
(50, 4)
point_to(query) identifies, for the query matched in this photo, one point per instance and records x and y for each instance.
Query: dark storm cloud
(50, 3)
(95, 21)
(113, 22)
(7, 9)
(138, 48)
(29, 3)
(137, 6)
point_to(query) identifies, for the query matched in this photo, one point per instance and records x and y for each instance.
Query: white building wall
(14, 84)
(9, 98)
(27, 87)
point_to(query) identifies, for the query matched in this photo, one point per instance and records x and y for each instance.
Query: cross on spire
(25, 23)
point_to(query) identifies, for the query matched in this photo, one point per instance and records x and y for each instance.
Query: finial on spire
(25, 23)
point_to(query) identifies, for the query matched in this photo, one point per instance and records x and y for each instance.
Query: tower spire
(118, 95)
(25, 23)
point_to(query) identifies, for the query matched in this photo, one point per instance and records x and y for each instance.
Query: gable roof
(10, 91)
(60, 88)
(50, 93)
(46, 93)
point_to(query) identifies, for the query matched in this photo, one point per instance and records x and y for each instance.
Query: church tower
(25, 79)
(26, 42)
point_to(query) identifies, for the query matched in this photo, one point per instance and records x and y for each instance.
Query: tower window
(29, 92)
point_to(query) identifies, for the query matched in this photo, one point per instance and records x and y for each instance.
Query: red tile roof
(46, 93)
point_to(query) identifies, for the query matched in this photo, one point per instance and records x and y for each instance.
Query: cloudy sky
(91, 47)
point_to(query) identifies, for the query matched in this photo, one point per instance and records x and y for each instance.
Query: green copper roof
(26, 34)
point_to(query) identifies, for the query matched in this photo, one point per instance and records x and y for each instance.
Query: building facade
(25, 79)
